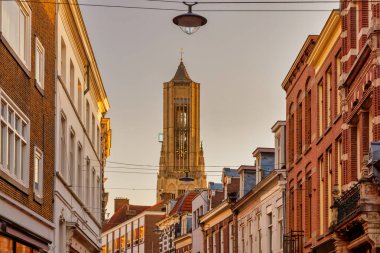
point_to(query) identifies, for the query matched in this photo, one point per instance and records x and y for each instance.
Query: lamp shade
(189, 22)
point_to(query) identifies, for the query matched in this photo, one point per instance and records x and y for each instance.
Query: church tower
(181, 149)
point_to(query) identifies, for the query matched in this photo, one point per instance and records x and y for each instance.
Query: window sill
(307, 150)
(327, 130)
(38, 199)
(320, 237)
(337, 118)
(15, 56)
(319, 139)
(299, 158)
(14, 182)
(39, 88)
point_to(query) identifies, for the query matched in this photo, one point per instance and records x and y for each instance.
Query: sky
(240, 59)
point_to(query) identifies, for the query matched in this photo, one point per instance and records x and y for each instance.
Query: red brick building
(27, 74)
(356, 210)
(314, 140)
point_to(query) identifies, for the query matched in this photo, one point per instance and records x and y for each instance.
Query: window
(94, 190)
(221, 234)
(308, 118)
(208, 244)
(230, 237)
(320, 108)
(242, 239)
(63, 145)
(136, 236)
(141, 234)
(259, 233)
(72, 157)
(291, 209)
(72, 76)
(79, 181)
(38, 169)
(16, 28)
(14, 141)
(129, 239)
(116, 241)
(40, 63)
(88, 186)
(309, 207)
(299, 129)
(280, 218)
(63, 60)
(87, 116)
(338, 73)
(291, 138)
(270, 232)
(250, 231)
(122, 239)
(321, 194)
(339, 164)
(328, 96)
(329, 185)
(299, 204)
(214, 242)
(93, 129)
(80, 95)
(97, 140)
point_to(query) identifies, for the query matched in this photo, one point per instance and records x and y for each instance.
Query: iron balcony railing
(293, 242)
(347, 204)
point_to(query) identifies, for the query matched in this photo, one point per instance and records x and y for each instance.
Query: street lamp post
(189, 22)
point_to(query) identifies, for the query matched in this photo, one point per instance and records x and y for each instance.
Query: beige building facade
(181, 151)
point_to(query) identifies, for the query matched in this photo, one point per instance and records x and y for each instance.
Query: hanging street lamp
(186, 178)
(189, 22)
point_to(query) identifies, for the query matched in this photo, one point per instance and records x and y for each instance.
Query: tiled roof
(215, 186)
(184, 203)
(230, 172)
(123, 214)
(181, 74)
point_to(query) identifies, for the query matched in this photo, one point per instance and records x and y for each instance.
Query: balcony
(293, 242)
(347, 205)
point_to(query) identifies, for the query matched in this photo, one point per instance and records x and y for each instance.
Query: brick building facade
(27, 60)
(314, 142)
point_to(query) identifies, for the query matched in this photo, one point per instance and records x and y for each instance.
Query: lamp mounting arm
(190, 5)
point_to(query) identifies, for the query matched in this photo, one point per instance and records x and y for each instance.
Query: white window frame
(38, 154)
(40, 64)
(21, 133)
(27, 12)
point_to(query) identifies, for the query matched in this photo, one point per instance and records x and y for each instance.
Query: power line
(183, 10)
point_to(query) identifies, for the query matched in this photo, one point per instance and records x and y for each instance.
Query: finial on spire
(181, 54)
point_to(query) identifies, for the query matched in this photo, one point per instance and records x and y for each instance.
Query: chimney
(119, 202)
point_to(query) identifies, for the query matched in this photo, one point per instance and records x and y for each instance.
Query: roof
(305, 52)
(277, 125)
(230, 172)
(184, 203)
(123, 214)
(262, 150)
(181, 74)
(246, 167)
(215, 186)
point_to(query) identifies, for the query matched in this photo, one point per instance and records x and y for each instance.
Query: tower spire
(181, 54)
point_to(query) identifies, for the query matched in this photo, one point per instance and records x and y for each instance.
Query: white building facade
(81, 104)
(260, 213)
(199, 208)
